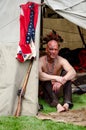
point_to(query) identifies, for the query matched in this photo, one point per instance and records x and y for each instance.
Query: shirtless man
(50, 69)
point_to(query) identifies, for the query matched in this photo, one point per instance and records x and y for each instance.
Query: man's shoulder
(42, 57)
(61, 59)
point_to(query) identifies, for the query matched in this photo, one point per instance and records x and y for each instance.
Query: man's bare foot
(66, 106)
(60, 108)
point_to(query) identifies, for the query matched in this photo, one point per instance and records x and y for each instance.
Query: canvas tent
(69, 23)
(11, 71)
(73, 10)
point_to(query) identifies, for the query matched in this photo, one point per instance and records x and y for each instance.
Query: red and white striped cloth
(26, 49)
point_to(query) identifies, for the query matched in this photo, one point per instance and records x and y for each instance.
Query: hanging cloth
(28, 20)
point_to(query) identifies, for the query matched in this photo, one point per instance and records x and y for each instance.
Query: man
(50, 69)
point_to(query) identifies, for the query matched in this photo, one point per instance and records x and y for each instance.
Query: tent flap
(73, 11)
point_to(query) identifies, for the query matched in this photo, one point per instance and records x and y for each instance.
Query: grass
(32, 123)
(78, 100)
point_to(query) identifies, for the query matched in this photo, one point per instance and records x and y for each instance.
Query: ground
(77, 117)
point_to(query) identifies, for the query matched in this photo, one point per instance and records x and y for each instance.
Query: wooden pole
(81, 35)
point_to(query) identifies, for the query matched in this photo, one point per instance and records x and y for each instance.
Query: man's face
(52, 49)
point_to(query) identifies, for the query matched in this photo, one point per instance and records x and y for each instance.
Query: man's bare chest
(54, 69)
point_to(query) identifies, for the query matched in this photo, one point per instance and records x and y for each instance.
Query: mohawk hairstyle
(52, 36)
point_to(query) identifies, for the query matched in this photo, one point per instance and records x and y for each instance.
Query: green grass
(32, 123)
(79, 101)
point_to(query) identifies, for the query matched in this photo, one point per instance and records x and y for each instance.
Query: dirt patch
(77, 117)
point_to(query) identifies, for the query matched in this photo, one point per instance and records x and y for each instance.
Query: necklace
(50, 66)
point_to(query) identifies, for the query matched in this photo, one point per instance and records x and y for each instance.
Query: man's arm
(44, 76)
(70, 72)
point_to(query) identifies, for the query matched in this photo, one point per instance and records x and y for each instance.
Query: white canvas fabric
(73, 10)
(12, 72)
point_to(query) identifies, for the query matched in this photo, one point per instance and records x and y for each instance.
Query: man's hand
(61, 80)
(64, 80)
(56, 86)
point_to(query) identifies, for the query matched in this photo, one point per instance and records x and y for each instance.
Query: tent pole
(41, 28)
(81, 35)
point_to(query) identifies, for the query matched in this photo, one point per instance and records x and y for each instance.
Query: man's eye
(52, 49)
